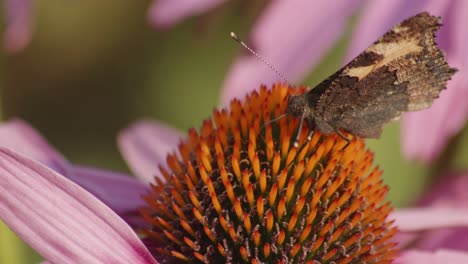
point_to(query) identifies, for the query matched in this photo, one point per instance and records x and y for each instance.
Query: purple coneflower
(231, 191)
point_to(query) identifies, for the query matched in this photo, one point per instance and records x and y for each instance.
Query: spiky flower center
(239, 191)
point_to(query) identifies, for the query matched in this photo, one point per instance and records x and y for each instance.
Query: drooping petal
(425, 218)
(291, 35)
(118, 191)
(21, 137)
(61, 220)
(442, 256)
(450, 191)
(19, 25)
(145, 146)
(451, 238)
(165, 13)
(442, 213)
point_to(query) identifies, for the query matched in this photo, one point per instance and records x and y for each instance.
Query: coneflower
(240, 191)
(236, 191)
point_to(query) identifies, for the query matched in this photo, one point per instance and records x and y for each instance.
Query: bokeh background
(94, 67)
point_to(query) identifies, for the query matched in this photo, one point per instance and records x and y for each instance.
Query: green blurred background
(96, 66)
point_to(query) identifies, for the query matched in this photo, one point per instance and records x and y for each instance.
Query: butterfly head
(298, 106)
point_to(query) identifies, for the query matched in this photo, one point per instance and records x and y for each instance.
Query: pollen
(241, 190)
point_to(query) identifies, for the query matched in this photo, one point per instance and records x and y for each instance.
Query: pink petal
(460, 33)
(19, 25)
(459, 57)
(377, 17)
(451, 238)
(145, 146)
(118, 191)
(59, 219)
(438, 124)
(164, 13)
(21, 137)
(444, 227)
(425, 218)
(450, 191)
(403, 240)
(449, 113)
(293, 36)
(442, 256)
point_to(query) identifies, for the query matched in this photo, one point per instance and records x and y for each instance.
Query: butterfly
(404, 70)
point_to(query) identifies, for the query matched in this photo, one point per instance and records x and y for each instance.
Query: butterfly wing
(403, 71)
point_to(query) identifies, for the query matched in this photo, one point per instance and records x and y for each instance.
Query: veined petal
(21, 137)
(291, 35)
(119, 191)
(442, 256)
(163, 13)
(145, 145)
(424, 218)
(19, 25)
(61, 220)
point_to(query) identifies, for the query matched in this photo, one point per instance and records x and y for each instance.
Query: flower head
(239, 191)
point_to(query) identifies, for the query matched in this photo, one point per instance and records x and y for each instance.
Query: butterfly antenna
(238, 40)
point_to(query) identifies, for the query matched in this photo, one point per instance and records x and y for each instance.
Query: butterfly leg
(309, 136)
(296, 141)
(344, 137)
(274, 120)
